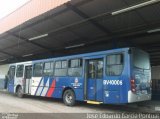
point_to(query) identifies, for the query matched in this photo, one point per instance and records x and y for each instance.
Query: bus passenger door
(27, 78)
(95, 79)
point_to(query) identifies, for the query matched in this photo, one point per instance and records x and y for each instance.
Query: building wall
(4, 69)
(156, 82)
(156, 72)
(156, 78)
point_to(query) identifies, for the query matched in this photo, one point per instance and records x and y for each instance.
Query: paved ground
(11, 104)
(29, 104)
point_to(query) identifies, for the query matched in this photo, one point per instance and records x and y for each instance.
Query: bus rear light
(133, 86)
(133, 90)
(132, 81)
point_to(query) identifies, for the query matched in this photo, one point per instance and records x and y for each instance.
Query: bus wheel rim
(69, 98)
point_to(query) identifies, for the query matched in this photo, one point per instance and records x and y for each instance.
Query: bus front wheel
(20, 92)
(69, 98)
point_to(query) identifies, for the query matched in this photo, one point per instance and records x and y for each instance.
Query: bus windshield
(141, 59)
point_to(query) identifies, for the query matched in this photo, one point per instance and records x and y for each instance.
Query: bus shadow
(39, 98)
(141, 107)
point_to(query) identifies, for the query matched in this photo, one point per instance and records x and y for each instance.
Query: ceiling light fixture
(74, 46)
(38, 37)
(135, 7)
(27, 55)
(154, 30)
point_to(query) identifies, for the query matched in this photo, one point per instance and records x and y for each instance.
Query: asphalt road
(9, 103)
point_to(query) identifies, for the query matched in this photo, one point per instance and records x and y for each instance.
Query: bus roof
(28, 62)
(83, 55)
(74, 56)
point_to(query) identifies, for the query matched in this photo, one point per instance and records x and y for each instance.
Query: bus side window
(11, 72)
(38, 70)
(19, 72)
(48, 69)
(61, 68)
(75, 68)
(114, 64)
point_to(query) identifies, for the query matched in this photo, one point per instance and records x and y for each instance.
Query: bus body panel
(116, 87)
(11, 80)
(53, 87)
(11, 86)
(141, 74)
(15, 81)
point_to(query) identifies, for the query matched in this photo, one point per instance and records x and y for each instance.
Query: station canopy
(80, 26)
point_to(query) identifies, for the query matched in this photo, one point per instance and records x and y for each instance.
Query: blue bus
(117, 76)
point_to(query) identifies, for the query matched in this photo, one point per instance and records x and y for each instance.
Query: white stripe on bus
(45, 89)
(40, 88)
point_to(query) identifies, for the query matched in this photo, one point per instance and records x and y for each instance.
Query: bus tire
(69, 98)
(20, 92)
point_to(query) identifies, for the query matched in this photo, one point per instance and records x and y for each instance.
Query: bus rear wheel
(20, 92)
(69, 98)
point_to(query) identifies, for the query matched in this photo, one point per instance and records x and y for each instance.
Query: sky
(8, 6)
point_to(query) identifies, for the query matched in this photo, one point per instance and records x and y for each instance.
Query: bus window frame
(51, 62)
(33, 74)
(117, 53)
(61, 67)
(75, 67)
(22, 71)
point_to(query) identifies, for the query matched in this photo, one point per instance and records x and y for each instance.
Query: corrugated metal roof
(71, 24)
